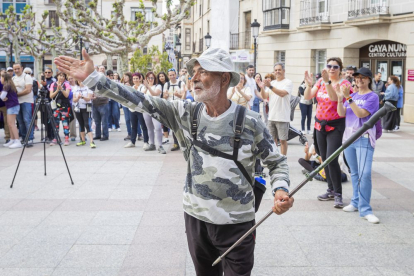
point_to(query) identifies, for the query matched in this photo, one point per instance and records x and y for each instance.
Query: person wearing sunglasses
(329, 125)
(358, 109)
(153, 89)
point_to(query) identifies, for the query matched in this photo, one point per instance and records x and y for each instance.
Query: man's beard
(207, 94)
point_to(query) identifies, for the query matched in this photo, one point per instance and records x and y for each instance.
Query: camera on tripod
(43, 92)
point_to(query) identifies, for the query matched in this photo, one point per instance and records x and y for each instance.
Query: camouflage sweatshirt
(215, 190)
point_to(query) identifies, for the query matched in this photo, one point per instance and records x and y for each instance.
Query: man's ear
(226, 78)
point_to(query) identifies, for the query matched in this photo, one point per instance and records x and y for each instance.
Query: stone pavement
(124, 215)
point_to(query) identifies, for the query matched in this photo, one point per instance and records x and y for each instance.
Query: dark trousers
(328, 143)
(207, 242)
(306, 111)
(100, 115)
(83, 118)
(398, 117)
(138, 119)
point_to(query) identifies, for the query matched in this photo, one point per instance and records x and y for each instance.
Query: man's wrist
(280, 189)
(270, 87)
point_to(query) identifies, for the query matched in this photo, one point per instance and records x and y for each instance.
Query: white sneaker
(309, 132)
(350, 208)
(8, 143)
(371, 218)
(16, 144)
(119, 129)
(146, 146)
(109, 129)
(129, 145)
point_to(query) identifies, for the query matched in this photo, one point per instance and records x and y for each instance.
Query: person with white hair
(219, 194)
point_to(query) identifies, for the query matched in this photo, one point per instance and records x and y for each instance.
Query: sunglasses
(151, 78)
(336, 67)
(48, 72)
(171, 70)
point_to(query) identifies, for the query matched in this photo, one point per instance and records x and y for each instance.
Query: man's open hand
(79, 69)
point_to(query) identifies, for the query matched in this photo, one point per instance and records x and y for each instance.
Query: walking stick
(388, 107)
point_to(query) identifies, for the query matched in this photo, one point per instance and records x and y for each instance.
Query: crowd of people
(344, 98)
(74, 105)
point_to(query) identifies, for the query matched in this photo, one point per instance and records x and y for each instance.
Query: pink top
(327, 109)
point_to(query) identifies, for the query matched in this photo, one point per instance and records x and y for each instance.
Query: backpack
(238, 128)
(35, 87)
(169, 85)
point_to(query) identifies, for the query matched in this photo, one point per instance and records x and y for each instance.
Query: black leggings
(328, 143)
(83, 119)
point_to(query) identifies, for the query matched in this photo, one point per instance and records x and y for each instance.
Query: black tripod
(43, 104)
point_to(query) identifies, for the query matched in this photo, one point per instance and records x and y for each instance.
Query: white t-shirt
(85, 92)
(238, 98)
(154, 87)
(173, 88)
(279, 107)
(20, 82)
(251, 83)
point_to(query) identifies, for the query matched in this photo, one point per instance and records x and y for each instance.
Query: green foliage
(154, 61)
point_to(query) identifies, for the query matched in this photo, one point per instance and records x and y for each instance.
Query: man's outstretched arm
(84, 71)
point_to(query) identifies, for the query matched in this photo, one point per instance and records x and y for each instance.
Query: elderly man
(218, 200)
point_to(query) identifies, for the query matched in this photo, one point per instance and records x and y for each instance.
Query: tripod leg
(26, 139)
(50, 112)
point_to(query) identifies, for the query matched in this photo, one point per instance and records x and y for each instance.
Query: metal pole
(255, 54)
(80, 41)
(388, 107)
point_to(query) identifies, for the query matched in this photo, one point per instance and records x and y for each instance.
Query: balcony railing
(276, 14)
(241, 40)
(309, 14)
(364, 8)
(200, 45)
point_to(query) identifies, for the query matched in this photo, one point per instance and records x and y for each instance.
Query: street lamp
(11, 49)
(178, 49)
(207, 38)
(255, 26)
(80, 43)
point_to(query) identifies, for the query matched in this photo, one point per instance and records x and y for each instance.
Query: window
(280, 56)
(276, 14)
(320, 60)
(53, 19)
(17, 4)
(188, 39)
(322, 6)
(149, 17)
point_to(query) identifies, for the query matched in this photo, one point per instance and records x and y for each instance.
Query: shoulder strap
(238, 127)
(194, 123)
(168, 86)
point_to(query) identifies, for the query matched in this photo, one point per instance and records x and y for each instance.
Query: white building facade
(377, 34)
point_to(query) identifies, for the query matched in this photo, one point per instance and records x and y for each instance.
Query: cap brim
(235, 77)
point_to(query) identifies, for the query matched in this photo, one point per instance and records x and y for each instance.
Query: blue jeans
(306, 111)
(127, 114)
(100, 115)
(24, 117)
(113, 114)
(359, 156)
(137, 119)
(256, 105)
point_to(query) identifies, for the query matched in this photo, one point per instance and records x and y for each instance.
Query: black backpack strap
(238, 127)
(194, 122)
